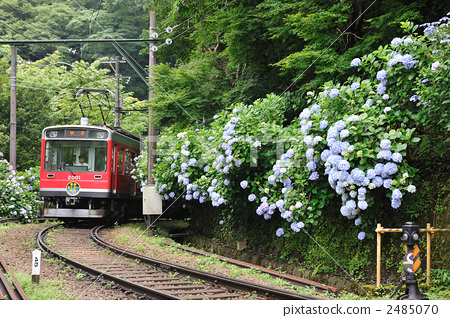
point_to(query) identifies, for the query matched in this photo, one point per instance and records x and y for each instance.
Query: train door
(113, 167)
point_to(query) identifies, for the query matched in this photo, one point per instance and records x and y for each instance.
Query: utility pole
(151, 127)
(117, 90)
(13, 108)
(117, 77)
(152, 202)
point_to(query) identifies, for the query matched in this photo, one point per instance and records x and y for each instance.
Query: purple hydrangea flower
(358, 221)
(251, 197)
(280, 232)
(361, 235)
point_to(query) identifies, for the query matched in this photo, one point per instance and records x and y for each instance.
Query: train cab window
(75, 155)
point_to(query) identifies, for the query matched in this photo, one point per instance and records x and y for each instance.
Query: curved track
(148, 277)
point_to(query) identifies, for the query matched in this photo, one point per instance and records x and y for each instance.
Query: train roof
(113, 132)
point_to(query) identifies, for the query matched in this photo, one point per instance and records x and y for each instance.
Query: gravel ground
(16, 246)
(18, 241)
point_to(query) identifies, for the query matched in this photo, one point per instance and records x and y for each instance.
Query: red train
(86, 172)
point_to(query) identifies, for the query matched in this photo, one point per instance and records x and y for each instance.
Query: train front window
(75, 155)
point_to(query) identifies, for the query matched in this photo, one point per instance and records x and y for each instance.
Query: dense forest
(215, 58)
(222, 52)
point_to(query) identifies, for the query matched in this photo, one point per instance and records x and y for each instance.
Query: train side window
(127, 161)
(121, 162)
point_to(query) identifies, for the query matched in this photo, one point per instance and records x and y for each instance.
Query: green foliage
(351, 140)
(19, 190)
(45, 290)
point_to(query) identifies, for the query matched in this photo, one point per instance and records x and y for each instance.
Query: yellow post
(378, 255)
(428, 254)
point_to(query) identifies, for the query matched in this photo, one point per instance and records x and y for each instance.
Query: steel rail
(97, 273)
(14, 292)
(227, 281)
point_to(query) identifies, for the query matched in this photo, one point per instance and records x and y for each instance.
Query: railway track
(9, 291)
(146, 277)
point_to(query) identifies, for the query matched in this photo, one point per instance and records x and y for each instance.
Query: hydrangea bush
(19, 190)
(350, 142)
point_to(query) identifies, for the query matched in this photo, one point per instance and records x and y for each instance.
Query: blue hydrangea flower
(334, 92)
(385, 144)
(311, 165)
(251, 197)
(305, 114)
(384, 154)
(344, 133)
(358, 174)
(355, 62)
(350, 204)
(323, 124)
(396, 203)
(362, 205)
(315, 108)
(396, 41)
(272, 179)
(309, 153)
(325, 155)
(381, 89)
(296, 227)
(354, 86)
(381, 75)
(387, 183)
(435, 66)
(339, 125)
(358, 221)
(361, 235)
(396, 194)
(280, 232)
(314, 176)
(378, 181)
(408, 61)
(344, 165)
(397, 157)
(390, 168)
(244, 184)
(280, 204)
(298, 205)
